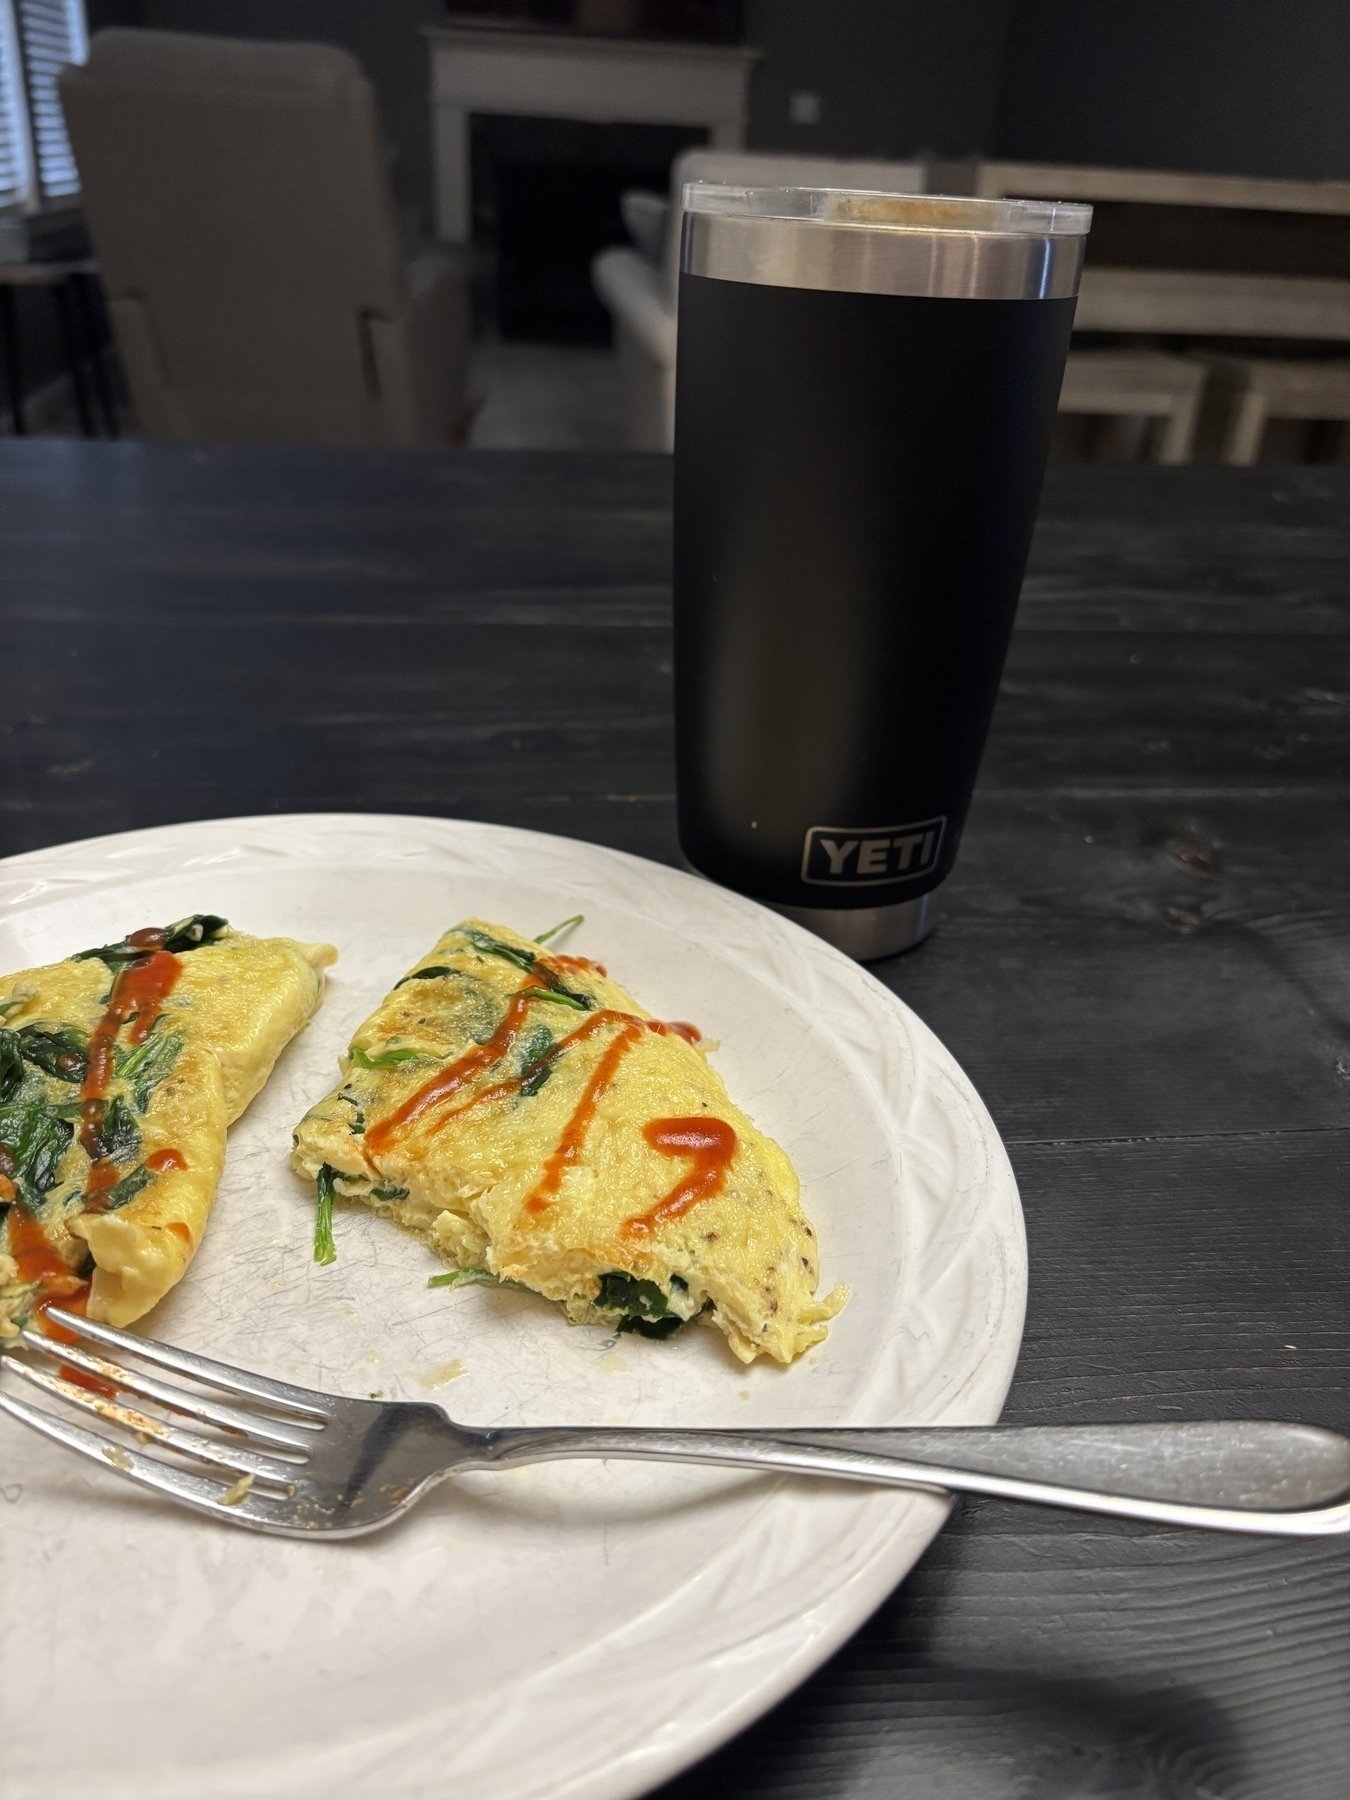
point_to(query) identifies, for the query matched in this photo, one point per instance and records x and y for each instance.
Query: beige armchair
(640, 285)
(239, 202)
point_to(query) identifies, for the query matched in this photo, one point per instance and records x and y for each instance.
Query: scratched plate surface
(556, 1631)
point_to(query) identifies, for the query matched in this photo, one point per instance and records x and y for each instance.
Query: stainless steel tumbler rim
(850, 241)
(867, 932)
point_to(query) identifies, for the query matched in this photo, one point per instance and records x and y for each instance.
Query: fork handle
(1235, 1475)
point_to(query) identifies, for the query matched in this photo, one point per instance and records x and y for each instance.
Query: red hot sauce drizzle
(601, 1079)
(710, 1144)
(138, 994)
(74, 1303)
(574, 962)
(573, 1140)
(40, 1264)
(38, 1261)
(456, 1076)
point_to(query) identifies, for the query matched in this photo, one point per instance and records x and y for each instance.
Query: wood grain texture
(1033, 1654)
(1143, 965)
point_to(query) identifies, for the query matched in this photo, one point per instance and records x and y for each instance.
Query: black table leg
(94, 336)
(74, 356)
(9, 330)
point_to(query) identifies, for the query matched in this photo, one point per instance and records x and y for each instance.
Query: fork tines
(245, 1457)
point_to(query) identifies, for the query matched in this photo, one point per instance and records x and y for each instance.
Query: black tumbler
(865, 388)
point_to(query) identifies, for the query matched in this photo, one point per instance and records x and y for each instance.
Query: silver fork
(291, 1461)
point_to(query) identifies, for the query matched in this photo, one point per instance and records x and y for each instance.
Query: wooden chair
(1124, 385)
(239, 202)
(1246, 394)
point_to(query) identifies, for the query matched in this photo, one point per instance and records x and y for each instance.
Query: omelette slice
(120, 1070)
(535, 1126)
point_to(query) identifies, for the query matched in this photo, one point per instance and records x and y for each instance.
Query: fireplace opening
(545, 199)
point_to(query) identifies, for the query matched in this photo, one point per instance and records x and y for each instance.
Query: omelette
(525, 1117)
(120, 1070)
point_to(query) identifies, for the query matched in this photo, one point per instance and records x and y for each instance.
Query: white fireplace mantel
(543, 75)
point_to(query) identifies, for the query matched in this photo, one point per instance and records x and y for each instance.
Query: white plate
(566, 1630)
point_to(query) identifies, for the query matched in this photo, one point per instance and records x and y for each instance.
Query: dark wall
(386, 37)
(1241, 87)
(99, 13)
(893, 76)
(1259, 87)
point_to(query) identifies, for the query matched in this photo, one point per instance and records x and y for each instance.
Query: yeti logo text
(835, 857)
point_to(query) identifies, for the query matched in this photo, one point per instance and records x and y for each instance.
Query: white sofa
(640, 283)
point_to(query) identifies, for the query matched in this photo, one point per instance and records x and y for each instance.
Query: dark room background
(1243, 87)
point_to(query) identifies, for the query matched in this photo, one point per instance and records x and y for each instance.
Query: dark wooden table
(1143, 965)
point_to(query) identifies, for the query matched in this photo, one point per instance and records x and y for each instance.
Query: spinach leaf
(41, 1148)
(11, 1066)
(127, 1189)
(645, 1308)
(358, 1120)
(385, 1059)
(537, 1061)
(118, 1135)
(551, 987)
(34, 1143)
(191, 933)
(490, 946)
(388, 1193)
(145, 1066)
(653, 1328)
(184, 934)
(534, 1044)
(473, 1278)
(553, 930)
(9, 1006)
(325, 1250)
(58, 1050)
(628, 1294)
(560, 996)
(555, 988)
(426, 974)
(117, 956)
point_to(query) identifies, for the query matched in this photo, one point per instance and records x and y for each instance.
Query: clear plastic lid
(906, 212)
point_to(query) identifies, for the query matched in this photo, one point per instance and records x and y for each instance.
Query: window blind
(52, 33)
(16, 162)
